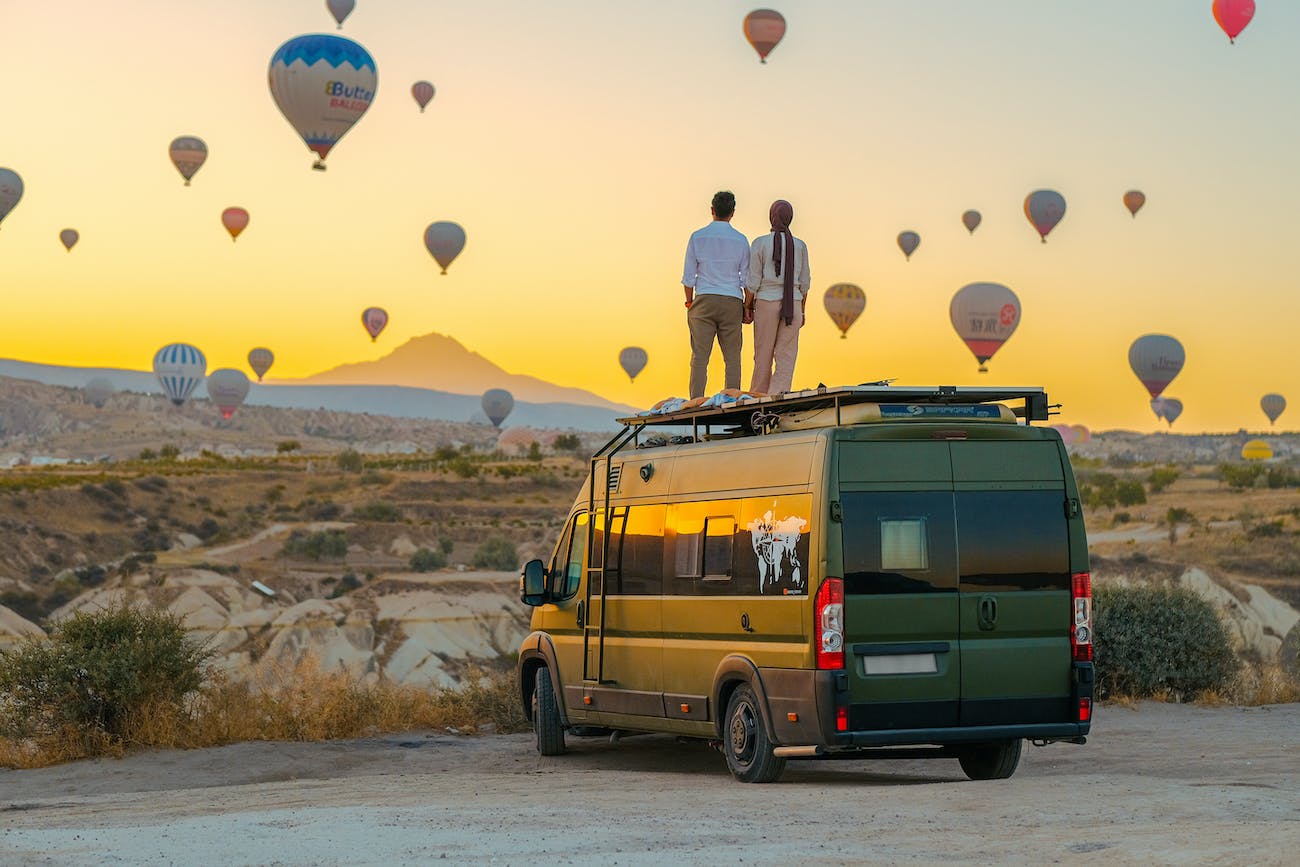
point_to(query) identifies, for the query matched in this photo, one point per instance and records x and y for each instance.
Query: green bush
(567, 443)
(445, 545)
(425, 560)
(1161, 478)
(349, 461)
(1153, 640)
(377, 510)
(98, 669)
(327, 545)
(285, 446)
(497, 554)
(1241, 475)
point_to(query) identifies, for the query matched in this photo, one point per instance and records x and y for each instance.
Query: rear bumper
(959, 735)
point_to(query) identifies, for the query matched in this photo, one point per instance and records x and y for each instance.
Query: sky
(579, 143)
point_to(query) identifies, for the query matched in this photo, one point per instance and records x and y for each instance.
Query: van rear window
(898, 542)
(1013, 540)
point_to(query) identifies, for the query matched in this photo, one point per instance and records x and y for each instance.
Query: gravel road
(1157, 784)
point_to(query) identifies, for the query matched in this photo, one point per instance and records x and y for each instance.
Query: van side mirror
(532, 584)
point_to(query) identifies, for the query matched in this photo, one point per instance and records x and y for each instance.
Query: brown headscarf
(780, 215)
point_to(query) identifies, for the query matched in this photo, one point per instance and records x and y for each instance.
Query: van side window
(719, 546)
(636, 552)
(566, 568)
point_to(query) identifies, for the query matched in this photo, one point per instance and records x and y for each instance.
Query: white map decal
(774, 541)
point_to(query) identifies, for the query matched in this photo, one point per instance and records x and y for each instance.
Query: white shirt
(763, 281)
(717, 261)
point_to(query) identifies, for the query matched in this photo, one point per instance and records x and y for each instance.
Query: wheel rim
(743, 734)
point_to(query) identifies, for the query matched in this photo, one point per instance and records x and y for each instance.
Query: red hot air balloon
(374, 320)
(984, 315)
(1233, 16)
(1134, 200)
(764, 29)
(235, 220)
(423, 93)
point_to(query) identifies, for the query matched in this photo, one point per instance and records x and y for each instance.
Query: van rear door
(901, 615)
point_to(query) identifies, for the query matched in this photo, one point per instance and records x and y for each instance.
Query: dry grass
(1253, 686)
(300, 704)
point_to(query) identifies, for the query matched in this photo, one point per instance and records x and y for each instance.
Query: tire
(745, 742)
(546, 716)
(995, 761)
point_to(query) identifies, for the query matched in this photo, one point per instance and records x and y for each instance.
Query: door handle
(988, 612)
(579, 614)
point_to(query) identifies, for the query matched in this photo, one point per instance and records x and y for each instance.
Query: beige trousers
(713, 316)
(775, 343)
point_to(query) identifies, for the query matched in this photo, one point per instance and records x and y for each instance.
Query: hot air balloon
(11, 190)
(1158, 407)
(374, 319)
(260, 360)
(985, 315)
(1173, 408)
(423, 93)
(908, 242)
(444, 241)
(1066, 432)
(764, 29)
(179, 368)
(227, 388)
(1156, 359)
(1081, 433)
(1233, 16)
(188, 154)
(1044, 208)
(98, 391)
(1257, 450)
(340, 9)
(322, 84)
(633, 360)
(971, 220)
(235, 220)
(497, 403)
(69, 237)
(845, 303)
(1273, 405)
(1134, 200)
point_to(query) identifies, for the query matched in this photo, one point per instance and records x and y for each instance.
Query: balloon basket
(318, 166)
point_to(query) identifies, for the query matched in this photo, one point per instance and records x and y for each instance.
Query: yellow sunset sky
(579, 143)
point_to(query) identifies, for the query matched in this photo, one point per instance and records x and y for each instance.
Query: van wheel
(995, 761)
(546, 716)
(745, 742)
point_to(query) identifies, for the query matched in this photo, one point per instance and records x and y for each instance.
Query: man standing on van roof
(717, 265)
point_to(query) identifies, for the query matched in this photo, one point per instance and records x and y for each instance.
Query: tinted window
(577, 549)
(1013, 540)
(898, 543)
(750, 547)
(636, 553)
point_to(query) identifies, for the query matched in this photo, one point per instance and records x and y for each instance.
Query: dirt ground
(1158, 784)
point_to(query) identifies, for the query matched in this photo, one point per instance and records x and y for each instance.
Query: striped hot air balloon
(179, 368)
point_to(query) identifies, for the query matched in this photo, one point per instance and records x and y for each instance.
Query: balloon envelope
(1081, 433)
(497, 404)
(908, 242)
(11, 190)
(69, 238)
(984, 315)
(1173, 408)
(1273, 405)
(764, 29)
(1233, 16)
(235, 220)
(98, 391)
(845, 303)
(179, 368)
(260, 360)
(340, 9)
(971, 220)
(322, 84)
(423, 93)
(1066, 432)
(227, 388)
(1156, 359)
(1134, 200)
(188, 154)
(444, 241)
(1257, 450)
(633, 360)
(1044, 208)
(374, 320)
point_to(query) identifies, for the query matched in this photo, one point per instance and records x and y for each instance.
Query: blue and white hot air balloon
(11, 190)
(322, 84)
(179, 368)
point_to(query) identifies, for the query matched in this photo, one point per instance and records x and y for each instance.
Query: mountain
(440, 362)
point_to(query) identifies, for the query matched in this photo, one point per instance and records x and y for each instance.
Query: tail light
(828, 621)
(1085, 710)
(1081, 617)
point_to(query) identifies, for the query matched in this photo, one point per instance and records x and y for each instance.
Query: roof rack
(1032, 402)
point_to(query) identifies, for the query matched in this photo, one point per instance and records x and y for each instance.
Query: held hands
(748, 317)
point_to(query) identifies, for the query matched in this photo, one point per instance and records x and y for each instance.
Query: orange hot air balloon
(844, 304)
(1233, 16)
(235, 220)
(1134, 200)
(764, 29)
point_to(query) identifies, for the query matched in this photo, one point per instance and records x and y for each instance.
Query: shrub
(349, 461)
(567, 443)
(148, 455)
(1240, 475)
(1264, 530)
(1179, 516)
(1161, 478)
(425, 560)
(96, 671)
(534, 451)
(446, 545)
(347, 584)
(330, 544)
(1130, 493)
(465, 468)
(285, 446)
(377, 510)
(1153, 641)
(169, 452)
(497, 554)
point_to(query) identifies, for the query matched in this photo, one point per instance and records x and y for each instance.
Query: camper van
(846, 573)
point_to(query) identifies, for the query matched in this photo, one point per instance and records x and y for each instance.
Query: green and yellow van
(845, 573)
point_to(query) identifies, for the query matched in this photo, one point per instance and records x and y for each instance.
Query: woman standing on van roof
(778, 276)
